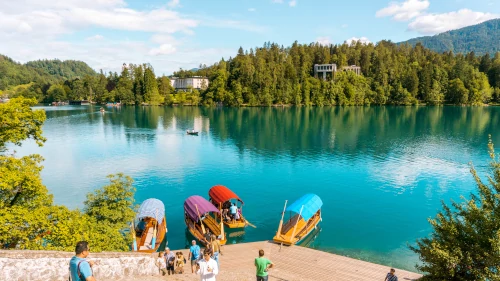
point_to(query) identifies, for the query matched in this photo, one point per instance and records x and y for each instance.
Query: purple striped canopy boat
(203, 207)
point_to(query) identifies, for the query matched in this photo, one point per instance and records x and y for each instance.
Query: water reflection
(372, 166)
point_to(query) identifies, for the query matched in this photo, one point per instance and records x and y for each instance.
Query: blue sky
(177, 34)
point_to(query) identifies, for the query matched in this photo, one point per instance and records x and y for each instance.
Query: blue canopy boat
(200, 215)
(307, 215)
(150, 227)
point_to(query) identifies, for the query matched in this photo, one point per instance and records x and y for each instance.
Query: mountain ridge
(481, 39)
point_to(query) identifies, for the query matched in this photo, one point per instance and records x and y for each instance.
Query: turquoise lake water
(380, 171)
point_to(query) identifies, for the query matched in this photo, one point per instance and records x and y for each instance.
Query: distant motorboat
(102, 109)
(192, 132)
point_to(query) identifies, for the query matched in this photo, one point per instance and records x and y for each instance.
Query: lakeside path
(292, 264)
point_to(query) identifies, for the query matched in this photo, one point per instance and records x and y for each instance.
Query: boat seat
(147, 241)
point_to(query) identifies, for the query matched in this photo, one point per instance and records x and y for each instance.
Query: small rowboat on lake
(307, 215)
(221, 197)
(192, 132)
(150, 227)
(201, 216)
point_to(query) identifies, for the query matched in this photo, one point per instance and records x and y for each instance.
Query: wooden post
(223, 235)
(199, 217)
(295, 227)
(134, 238)
(281, 221)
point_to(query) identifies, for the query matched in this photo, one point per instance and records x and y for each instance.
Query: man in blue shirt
(233, 210)
(194, 254)
(80, 268)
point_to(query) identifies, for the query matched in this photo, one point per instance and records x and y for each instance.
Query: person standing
(169, 259)
(162, 265)
(390, 276)
(207, 267)
(233, 210)
(194, 254)
(262, 264)
(80, 268)
(216, 248)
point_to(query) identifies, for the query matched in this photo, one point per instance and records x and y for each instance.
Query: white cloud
(278, 1)
(426, 23)
(95, 37)
(292, 3)
(252, 10)
(344, 26)
(173, 3)
(436, 23)
(325, 40)
(164, 49)
(33, 29)
(403, 11)
(363, 40)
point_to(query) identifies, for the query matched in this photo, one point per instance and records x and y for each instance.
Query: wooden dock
(293, 263)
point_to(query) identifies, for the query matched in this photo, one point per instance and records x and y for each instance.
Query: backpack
(77, 271)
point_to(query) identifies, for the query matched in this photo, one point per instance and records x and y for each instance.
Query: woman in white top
(207, 267)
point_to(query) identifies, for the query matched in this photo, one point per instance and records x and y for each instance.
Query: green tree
(465, 242)
(457, 93)
(151, 94)
(56, 93)
(20, 122)
(112, 204)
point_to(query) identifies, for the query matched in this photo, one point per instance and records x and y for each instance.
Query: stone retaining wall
(52, 265)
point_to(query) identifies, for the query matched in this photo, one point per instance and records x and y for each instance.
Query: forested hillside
(17, 79)
(68, 69)
(481, 39)
(272, 74)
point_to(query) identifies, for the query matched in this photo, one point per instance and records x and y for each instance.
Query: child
(160, 262)
(179, 263)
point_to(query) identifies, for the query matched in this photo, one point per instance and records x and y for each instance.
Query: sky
(174, 34)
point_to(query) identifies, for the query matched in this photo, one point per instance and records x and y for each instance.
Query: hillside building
(329, 70)
(196, 82)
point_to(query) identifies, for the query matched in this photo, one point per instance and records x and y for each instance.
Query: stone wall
(53, 265)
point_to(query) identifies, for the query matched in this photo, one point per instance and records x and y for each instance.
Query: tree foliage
(272, 74)
(28, 217)
(465, 244)
(19, 122)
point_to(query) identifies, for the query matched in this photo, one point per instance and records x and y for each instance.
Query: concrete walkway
(292, 264)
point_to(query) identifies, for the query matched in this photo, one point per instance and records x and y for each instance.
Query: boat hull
(210, 223)
(302, 230)
(144, 241)
(241, 223)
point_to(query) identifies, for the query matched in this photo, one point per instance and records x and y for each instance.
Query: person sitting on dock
(262, 264)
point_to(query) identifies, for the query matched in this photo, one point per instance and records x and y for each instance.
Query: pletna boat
(307, 215)
(201, 216)
(150, 227)
(192, 132)
(222, 198)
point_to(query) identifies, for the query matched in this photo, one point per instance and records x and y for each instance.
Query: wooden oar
(199, 217)
(248, 223)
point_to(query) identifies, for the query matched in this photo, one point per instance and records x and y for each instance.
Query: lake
(380, 171)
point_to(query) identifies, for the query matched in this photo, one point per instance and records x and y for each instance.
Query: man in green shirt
(262, 264)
